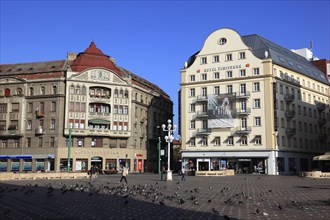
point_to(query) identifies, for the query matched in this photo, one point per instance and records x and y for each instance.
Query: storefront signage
(95, 152)
(231, 67)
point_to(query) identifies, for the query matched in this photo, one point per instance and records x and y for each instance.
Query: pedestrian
(182, 174)
(124, 174)
(93, 171)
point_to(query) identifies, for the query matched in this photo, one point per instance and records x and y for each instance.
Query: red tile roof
(93, 57)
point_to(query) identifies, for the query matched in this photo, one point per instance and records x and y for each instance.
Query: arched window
(31, 91)
(42, 90)
(72, 89)
(126, 94)
(121, 93)
(141, 99)
(116, 93)
(54, 90)
(7, 92)
(83, 90)
(135, 96)
(78, 90)
(19, 91)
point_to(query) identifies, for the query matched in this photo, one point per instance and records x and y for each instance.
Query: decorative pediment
(98, 75)
(6, 80)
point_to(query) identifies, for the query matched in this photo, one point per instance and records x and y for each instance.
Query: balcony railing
(200, 114)
(244, 112)
(201, 98)
(289, 97)
(290, 131)
(202, 131)
(289, 113)
(243, 95)
(40, 114)
(320, 106)
(243, 130)
(322, 121)
(40, 131)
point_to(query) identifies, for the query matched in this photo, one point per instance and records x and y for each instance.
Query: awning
(15, 157)
(325, 156)
(99, 121)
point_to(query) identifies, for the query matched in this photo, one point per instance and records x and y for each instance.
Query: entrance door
(97, 162)
(203, 166)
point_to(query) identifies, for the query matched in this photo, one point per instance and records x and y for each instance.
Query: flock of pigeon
(157, 193)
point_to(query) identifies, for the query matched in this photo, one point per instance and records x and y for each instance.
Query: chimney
(71, 56)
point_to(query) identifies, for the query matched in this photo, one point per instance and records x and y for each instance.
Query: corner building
(251, 105)
(103, 112)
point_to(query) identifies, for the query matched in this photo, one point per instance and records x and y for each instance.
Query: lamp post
(69, 148)
(169, 138)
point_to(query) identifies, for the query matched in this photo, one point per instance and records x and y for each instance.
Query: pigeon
(210, 200)
(161, 203)
(215, 211)
(279, 207)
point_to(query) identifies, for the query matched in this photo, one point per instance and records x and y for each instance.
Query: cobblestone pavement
(146, 197)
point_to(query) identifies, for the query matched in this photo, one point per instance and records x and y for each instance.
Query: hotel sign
(231, 67)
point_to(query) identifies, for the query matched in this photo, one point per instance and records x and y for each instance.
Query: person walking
(93, 171)
(183, 174)
(124, 174)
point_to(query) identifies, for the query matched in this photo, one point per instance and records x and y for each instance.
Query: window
(192, 92)
(222, 41)
(31, 91)
(242, 72)
(216, 90)
(192, 107)
(54, 90)
(19, 91)
(229, 57)
(71, 108)
(3, 107)
(257, 103)
(229, 89)
(216, 59)
(216, 75)
(71, 89)
(15, 107)
(242, 89)
(52, 123)
(28, 142)
(192, 78)
(42, 90)
(53, 107)
(243, 140)
(204, 92)
(229, 74)
(52, 142)
(80, 142)
(204, 76)
(40, 142)
(77, 107)
(4, 144)
(192, 124)
(257, 140)
(204, 108)
(78, 90)
(192, 142)
(242, 55)
(217, 141)
(3, 125)
(256, 86)
(82, 124)
(29, 125)
(204, 141)
(257, 121)
(13, 125)
(203, 60)
(230, 140)
(255, 71)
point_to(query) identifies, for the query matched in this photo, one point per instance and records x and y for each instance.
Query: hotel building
(249, 104)
(85, 108)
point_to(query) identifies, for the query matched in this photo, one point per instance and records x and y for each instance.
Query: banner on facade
(221, 111)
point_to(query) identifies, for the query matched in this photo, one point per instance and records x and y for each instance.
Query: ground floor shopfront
(81, 160)
(249, 162)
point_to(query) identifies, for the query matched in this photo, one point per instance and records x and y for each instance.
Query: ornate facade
(86, 109)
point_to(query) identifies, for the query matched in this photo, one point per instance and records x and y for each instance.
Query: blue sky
(153, 38)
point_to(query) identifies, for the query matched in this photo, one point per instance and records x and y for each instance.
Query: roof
(34, 67)
(93, 57)
(283, 57)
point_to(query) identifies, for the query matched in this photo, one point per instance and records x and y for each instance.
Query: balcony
(243, 130)
(202, 132)
(40, 114)
(320, 106)
(243, 112)
(289, 113)
(243, 95)
(289, 97)
(200, 114)
(201, 98)
(290, 131)
(323, 137)
(321, 121)
(40, 131)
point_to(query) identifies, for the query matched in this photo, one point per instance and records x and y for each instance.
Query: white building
(253, 106)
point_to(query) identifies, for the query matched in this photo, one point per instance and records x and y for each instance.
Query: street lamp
(169, 138)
